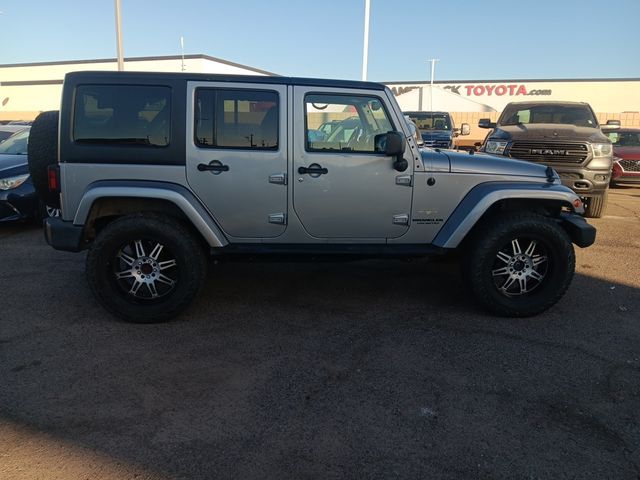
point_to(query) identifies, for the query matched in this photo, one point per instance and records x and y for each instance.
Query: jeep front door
(344, 186)
(236, 155)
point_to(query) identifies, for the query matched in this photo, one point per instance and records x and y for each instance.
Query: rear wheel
(597, 205)
(146, 267)
(519, 265)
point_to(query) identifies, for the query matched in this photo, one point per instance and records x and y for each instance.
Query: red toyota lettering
(521, 90)
(469, 88)
(501, 90)
(479, 90)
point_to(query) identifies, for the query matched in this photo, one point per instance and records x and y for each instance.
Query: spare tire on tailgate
(43, 151)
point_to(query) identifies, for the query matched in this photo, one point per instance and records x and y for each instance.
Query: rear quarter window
(122, 115)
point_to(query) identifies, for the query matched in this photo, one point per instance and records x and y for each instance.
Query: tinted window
(624, 139)
(16, 144)
(578, 115)
(122, 115)
(344, 123)
(236, 119)
(431, 121)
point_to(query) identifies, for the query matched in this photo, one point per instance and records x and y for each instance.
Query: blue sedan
(18, 198)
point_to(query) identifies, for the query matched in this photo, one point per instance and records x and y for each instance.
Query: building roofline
(511, 80)
(138, 59)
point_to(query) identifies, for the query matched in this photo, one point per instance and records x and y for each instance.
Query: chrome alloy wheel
(517, 272)
(145, 276)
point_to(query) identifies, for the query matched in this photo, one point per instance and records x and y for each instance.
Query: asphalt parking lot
(362, 370)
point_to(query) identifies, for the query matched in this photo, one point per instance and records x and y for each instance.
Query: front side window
(243, 119)
(344, 123)
(122, 115)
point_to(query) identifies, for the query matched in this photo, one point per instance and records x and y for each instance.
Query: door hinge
(278, 218)
(278, 178)
(402, 219)
(404, 180)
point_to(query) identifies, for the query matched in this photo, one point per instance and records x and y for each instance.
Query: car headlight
(12, 182)
(602, 153)
(602, 150)
(495, 146)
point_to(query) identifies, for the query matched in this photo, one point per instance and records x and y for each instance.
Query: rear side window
(244, 119)
(122, 115)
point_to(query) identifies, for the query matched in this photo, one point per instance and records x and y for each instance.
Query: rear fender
(177, 195)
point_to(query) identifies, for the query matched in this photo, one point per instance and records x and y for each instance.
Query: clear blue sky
(323, 38)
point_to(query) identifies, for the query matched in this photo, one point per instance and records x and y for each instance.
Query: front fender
(176, 194)
(479, 199)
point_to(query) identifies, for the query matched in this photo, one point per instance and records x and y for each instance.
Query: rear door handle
(214, 166)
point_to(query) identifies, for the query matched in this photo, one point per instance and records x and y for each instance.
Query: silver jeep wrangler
(154, 172)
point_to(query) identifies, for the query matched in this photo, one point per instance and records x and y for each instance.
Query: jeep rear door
(343, 186)
(236, 155)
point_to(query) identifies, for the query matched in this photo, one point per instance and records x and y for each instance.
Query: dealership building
(469, 101)
(29, 88)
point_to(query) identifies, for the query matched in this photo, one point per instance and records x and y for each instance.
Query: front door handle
(313, 169)
(214, 166)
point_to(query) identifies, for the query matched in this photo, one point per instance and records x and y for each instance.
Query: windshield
(16, 144)
(624, 139)
(578, 115)
(431, 121)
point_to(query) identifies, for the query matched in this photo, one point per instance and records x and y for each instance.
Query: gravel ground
(370, 369)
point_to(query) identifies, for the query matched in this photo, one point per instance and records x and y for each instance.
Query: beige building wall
(28, 89)
(612, 95)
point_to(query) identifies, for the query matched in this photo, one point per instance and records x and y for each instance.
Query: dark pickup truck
(563, 135)
(437, 128)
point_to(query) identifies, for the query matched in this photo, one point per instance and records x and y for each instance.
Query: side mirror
(486, 123)
(465, 129)
(393, 144)
(612, 125)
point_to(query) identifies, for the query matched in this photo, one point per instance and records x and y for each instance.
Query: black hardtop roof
(93, 76)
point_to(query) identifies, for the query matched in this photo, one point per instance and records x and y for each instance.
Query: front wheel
(145, 267)
(597, 205)
(519, 265)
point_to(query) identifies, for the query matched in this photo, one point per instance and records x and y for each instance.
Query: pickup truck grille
(630, 165)
(437, 143)
(550, 152)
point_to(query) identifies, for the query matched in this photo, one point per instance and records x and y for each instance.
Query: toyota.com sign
(604, 95)
(511, 90)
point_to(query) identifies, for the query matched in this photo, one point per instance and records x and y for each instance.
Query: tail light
(53, 174)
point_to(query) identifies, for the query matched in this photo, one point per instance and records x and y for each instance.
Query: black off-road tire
(43, 151)
(597, 205)
(150, 228)
(481, 260)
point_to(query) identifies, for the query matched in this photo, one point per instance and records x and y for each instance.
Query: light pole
(182, 50)
(365, 52)
(119, 37)
(433, 73)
